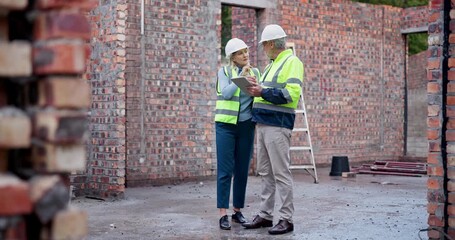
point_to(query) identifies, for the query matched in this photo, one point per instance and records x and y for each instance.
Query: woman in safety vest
(234, 132)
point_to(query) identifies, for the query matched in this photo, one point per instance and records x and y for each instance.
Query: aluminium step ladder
(310, 168)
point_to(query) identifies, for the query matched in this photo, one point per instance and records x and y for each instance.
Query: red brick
(434, 158)
(434, 234)
(434, 87)
(14, 196)
(451, 75)
(434, 63)
(451, 123)
(434, 146)
(62, 24)
(434, 16)
(433, 183)
(434, 122)
(451, 210)
(435, 221)
(60, 58)
(451, 100)
(451, 185)
(435, 171)
(450, 135)
(432, 134)
(451, 198)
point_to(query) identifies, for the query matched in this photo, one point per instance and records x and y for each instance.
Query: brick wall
(153, 94)
(244, 26)
(415, 17)
(170, 76)
(106, 73)
(441, 115)
(416, 77)
(353, 55)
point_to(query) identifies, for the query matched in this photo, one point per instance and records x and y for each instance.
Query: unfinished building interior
(152, 71)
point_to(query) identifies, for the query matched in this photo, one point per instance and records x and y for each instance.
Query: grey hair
(280, 43)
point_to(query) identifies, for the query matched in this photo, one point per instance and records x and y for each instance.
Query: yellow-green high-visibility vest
(286, 74)
(227, 110)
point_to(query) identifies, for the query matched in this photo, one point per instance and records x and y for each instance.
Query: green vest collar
(283, 55)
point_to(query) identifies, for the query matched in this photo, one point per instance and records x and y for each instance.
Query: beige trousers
(273, 162)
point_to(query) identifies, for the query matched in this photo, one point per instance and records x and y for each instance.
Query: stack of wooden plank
(410, 169)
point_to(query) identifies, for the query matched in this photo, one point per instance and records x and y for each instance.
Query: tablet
(242, 83)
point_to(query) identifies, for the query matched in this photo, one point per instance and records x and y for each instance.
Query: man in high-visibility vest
(276, 97)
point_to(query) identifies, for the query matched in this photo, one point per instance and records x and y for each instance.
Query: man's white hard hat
(233, 46)
(272, 32)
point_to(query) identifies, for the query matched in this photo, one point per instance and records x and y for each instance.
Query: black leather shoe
(282, 227)
(257, 223)
(224, 223)
(238, 217)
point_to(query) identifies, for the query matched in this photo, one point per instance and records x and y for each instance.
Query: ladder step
(301, 167)
(300, 130)
(300, 148)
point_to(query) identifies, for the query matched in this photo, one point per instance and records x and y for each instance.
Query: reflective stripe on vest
(292, 98)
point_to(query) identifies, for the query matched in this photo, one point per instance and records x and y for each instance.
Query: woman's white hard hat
(272, 32)
(233, 46)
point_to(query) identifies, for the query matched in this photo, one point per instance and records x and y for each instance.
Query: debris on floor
(409, 169)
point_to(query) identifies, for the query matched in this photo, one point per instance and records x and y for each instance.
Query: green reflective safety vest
(227, 110)
(286, 74)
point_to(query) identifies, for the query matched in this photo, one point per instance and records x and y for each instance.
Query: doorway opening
(416, 112)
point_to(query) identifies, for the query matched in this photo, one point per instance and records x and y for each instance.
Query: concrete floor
(365, 207)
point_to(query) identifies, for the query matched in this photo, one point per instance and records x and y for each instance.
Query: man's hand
(255, 89)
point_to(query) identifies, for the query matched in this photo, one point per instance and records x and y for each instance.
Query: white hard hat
(272, 32)
(233, 46)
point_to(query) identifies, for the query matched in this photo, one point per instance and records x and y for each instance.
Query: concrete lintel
(414, 30)
(260, 4)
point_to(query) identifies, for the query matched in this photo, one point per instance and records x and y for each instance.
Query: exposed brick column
(106, 73)
(441, 111)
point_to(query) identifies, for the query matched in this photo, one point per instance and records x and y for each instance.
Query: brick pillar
(106, 73)
(441, 129)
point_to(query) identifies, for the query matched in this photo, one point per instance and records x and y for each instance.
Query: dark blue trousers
(234, 148)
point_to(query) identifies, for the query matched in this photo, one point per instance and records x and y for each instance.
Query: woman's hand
(246, 70)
